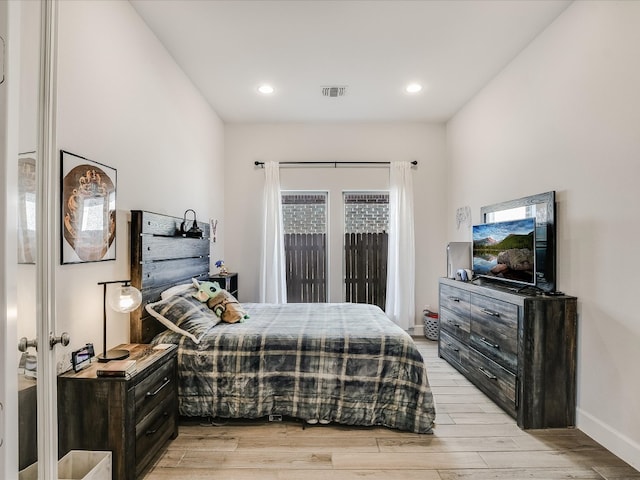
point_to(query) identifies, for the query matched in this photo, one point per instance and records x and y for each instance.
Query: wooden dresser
(519, 349)
(131, 416)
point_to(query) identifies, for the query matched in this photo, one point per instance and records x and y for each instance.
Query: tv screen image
(505, 250)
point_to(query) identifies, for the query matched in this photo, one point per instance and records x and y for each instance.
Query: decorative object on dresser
(518, 349)
(222, 269)
(458, 257)
(123, 299)
(132, 416)
(81, 358)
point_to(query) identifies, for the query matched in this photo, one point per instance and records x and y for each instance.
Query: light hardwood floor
(473, 439)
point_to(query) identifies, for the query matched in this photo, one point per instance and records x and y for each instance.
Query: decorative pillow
(177, 289)
(227, 307)
(184, 314)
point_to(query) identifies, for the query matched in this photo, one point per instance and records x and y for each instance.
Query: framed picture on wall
(88, 210)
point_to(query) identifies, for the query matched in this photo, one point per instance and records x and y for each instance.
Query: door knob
(24, 344)
(62, 339)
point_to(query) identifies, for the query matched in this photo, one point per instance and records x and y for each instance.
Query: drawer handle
(457, 325)
(454, 349)
(491, 344)
(491, 313)
(151, 432)
(487, 374)
(165, 381)
(454, 299)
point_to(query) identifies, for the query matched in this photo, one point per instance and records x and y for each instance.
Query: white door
(9, 19)
(27, 262)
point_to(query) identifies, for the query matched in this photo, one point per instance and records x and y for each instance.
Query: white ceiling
(453, 48)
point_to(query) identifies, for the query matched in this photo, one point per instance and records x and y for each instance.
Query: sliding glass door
(305, 245)
(366, 226)
(364, 246)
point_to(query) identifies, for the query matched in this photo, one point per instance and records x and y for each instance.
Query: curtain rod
(335, 164)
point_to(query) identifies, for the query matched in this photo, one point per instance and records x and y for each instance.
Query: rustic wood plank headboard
(160, 258)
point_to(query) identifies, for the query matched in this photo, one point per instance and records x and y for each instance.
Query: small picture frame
(88, 210)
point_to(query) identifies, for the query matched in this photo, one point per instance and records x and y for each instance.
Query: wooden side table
(229, 282)
(131, 416)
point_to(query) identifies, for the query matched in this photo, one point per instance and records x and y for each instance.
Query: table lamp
(124, 298)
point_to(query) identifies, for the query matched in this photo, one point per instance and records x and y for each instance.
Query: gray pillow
(184, 314)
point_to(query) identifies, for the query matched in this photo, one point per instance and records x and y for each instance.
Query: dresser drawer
(455, 324)
(495, 381)
(453, 351)
(455, 300)
(494, 330)
(153, 430)
(154, 389)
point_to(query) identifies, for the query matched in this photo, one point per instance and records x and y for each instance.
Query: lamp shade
(124, 298)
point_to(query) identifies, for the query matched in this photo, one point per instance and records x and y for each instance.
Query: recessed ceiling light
(266, 89)
(413, 88)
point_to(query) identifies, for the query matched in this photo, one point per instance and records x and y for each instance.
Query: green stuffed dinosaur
(220, 301)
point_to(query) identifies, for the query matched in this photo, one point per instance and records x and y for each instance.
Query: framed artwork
(27, 207)
(88, 210)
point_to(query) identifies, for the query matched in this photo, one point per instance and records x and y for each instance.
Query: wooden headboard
(160, 258)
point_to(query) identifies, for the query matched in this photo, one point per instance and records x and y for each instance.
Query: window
(366, 217)
(305, 244)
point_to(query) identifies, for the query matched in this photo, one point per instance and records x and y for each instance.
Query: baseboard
(614, 441)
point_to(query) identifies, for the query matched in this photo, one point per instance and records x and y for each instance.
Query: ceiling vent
(334, 91)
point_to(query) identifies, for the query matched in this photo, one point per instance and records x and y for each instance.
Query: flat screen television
(506, 251)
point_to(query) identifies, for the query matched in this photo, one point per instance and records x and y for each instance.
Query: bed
(343, 363)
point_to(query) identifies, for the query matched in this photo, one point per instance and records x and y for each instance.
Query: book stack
(117, 368)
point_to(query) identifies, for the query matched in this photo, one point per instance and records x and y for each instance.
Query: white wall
(244, 183)
(123, 102)
(565, 116)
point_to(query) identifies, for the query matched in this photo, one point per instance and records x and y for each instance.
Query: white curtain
(273, 280)
(400, 306)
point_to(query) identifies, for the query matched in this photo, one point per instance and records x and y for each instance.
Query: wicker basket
(431, 326)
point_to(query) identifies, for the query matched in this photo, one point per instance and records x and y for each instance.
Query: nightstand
(131, 416)
(229, 282)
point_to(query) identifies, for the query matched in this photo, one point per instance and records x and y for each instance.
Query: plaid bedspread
(344, 363)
